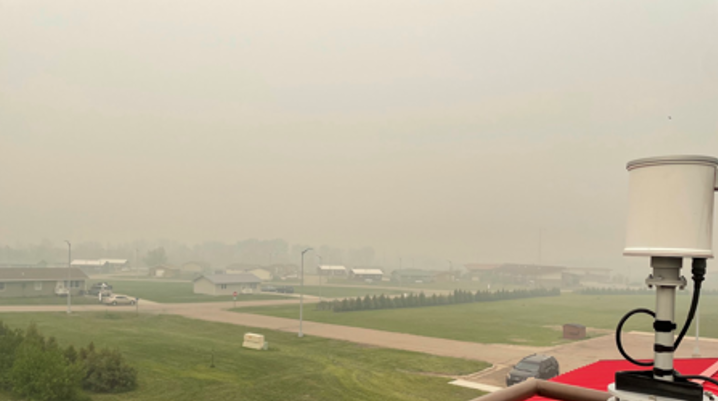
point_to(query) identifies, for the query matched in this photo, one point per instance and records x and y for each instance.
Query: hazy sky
(454, 129)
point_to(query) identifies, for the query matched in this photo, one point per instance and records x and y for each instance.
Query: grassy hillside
(173, 356)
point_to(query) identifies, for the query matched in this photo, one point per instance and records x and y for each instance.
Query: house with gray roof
(41, 281)
(227, 284)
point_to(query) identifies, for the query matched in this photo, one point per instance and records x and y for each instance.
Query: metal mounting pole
(666, 277)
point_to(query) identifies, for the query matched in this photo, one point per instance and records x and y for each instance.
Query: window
(223, 286)
(38, 286)
(2, 286)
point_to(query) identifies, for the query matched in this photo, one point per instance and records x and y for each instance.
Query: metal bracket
(659, 281)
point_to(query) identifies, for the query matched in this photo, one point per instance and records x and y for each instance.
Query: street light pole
(321, 276)
(301, 294)
(69, 277)
(451, 271)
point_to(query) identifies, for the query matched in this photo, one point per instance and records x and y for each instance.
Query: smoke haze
(478, 131)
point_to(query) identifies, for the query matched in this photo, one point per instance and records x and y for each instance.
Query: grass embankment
(534, 321)
(173, 356)
(174, 292)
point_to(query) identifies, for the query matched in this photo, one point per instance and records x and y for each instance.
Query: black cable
(697, 377)
(619, 345)
(699, 272)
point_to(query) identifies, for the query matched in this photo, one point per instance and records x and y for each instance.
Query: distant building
(94, 266)
(114, 264)
(195, 267)
(477, 271)
(408, 276)
(366, 274)
(41, 282)
(591, 274)
(538, 275)
(332, 270)
(165, 271)
(262, 273)
(227, 284)
(446, 276)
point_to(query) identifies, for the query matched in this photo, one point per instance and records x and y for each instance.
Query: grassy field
(171, 292)
(533, 321)
(328, 291)
(49, 301)
(172, 355)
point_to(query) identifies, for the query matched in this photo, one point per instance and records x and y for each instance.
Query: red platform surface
(599, 375)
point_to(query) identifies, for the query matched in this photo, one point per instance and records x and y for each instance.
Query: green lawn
(533, 321)
(49, 301)
(172, 355)
(172, 292)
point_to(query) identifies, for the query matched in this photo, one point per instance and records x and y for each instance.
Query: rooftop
(231, 278)
(332, 267)
(368, 271)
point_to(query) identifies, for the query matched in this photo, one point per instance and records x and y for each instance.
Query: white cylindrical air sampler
(670, 211)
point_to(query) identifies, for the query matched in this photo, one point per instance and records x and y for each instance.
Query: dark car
(538, 366)
(96, 288)
(269, 288)
(286, 289)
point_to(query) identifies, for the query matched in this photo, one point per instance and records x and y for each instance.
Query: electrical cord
(699, 270)
(698, 377)
(619, 328)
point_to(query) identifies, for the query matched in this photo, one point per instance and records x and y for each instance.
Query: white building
(366, 274)
(227, 284)
(332, 270)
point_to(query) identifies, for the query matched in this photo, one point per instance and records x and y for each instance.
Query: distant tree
(156, 257)
(368, 304)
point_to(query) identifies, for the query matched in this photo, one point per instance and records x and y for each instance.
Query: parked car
(115, 300)
(287, 289)
(538, 366)
(269, 288)
(98, 288)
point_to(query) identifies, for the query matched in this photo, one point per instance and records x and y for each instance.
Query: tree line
(38, 369)
(418, 300)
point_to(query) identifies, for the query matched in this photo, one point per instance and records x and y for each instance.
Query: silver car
(115, 300)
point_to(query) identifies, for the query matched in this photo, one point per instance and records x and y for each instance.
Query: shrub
(10, 341)
(42, 374)
(107, 372)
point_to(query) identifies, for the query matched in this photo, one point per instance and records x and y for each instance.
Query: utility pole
(69, 277)
(301, 295)
(321, 276)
